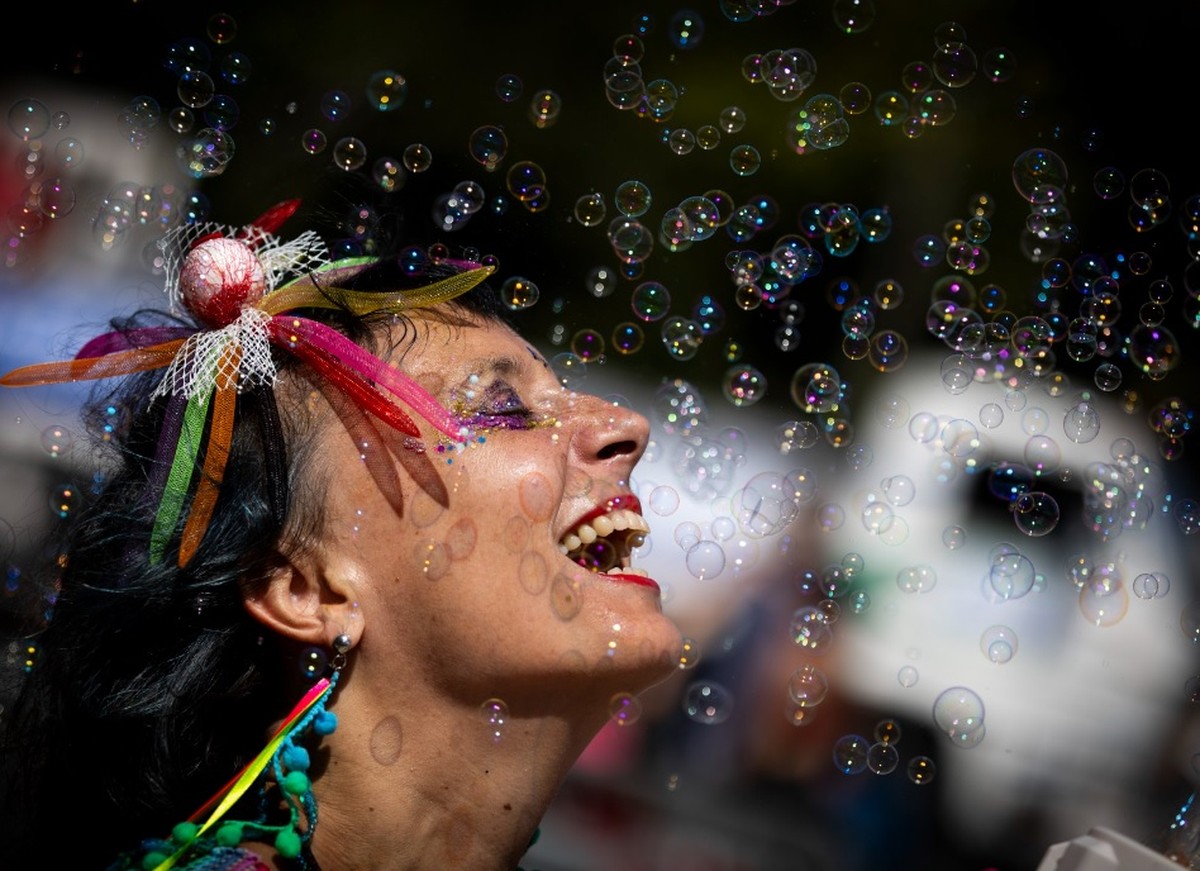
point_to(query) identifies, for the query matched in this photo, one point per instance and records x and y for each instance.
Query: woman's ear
(308, 599)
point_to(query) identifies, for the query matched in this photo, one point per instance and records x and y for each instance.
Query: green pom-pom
(295, 783)
(287, 842)
(230, 834)
(153, 859)
(184, 833)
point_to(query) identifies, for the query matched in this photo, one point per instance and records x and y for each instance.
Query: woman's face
(479, 569)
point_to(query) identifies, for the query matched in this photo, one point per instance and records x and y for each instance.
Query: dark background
(1112, 86)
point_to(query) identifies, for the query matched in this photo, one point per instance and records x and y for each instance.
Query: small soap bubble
(907, 676)
(417, 157)
(1011, 575)
(590, 211)
(1103, 599)
(998, 643)
(632, 198)
(744, 385)
(313, 140)
(1081, 423)
(570, 369)
(195, 89)
(959, 713)
(389, 174)
(57, 440)
(811, 630)
(335, 105)
(64, 499)
(689, 654)
(850, 754)
(687, 534)
(921, 770)
(628, 338)
(519, 293)
(509, 87)
(29, 119)
(705, 559)
(386, 90)
(681, 337)
(207, 153)
(494, 715)
(882, 758)
(624, 709)
(588, 345)
(651, 300)
(954, 537)
(686, 29)
(488, 145)
(313, 662)
(545, 107)
(888, 731)
(1035, 513)
(707, 703)
(808, 686)
(664, 500)
(349, 153)
(899, 490)
(744, 160)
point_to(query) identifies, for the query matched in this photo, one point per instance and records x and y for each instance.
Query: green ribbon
(179, 479)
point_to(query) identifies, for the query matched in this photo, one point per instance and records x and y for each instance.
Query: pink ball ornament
(218, 278)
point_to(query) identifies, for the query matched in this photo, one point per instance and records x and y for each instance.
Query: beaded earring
(213, 845)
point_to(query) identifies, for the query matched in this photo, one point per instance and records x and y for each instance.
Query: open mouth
(603, 539)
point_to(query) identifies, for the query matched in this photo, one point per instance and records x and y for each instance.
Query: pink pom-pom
(219, 276)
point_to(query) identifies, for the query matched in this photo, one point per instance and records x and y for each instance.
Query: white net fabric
(306, 253)
(240, 351)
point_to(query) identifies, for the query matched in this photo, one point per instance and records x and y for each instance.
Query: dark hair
(153, 685)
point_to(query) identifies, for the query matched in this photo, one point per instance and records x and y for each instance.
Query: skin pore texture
(484, 658)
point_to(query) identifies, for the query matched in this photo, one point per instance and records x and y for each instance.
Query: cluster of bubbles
(854, 754)
(51, 178)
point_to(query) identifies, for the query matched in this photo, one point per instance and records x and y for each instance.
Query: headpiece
(242, 287)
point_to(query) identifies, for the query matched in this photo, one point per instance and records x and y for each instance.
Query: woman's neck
(439, 786)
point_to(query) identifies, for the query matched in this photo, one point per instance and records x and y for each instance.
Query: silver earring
(341, 646)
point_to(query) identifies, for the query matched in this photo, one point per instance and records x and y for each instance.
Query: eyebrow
(500, 365)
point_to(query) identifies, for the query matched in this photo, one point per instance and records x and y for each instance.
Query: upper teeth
(603, 526)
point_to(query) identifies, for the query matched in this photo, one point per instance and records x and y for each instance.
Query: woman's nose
(608, 431)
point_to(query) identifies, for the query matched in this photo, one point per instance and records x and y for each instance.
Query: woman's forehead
(483, 347)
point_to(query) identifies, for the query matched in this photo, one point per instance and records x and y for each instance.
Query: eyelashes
(500, 407)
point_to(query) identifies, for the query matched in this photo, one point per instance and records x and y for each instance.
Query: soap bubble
(1035, 513)
(708, 703)
(519, 293)
(808, 686)
(998, 643)
(850, 754)
(1011, 574)
(882, 758)
(958, 713)
(386, 90)
(705, 559)
(921, 770)
(744, 385)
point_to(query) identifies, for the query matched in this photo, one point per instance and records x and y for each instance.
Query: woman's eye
(506, 402)
(500, 407)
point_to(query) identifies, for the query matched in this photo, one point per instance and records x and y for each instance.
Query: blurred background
(907, 291)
